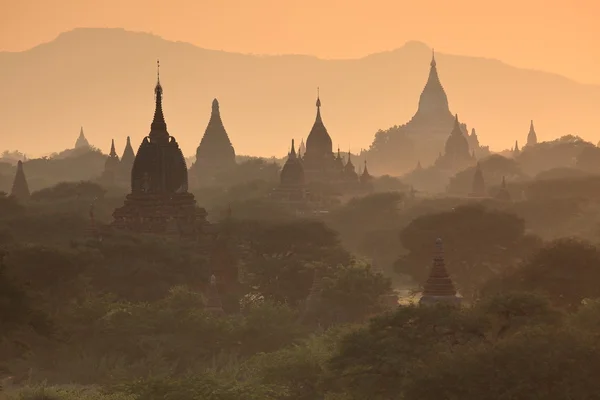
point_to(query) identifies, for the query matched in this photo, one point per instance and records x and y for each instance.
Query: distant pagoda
(439, 287)
(318, 159)
(159, 194)
(478, 189)
(531, 136)
(215, 152)
(20, 188)
(111, 165)
(127, 160)
(456, 152)
(292, 183)
(81, 142)
(503, 194)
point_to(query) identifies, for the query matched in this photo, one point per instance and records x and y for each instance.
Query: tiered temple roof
(439, 286)
(20, 188)
(292, 173)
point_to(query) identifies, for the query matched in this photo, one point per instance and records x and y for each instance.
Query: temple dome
(318, 140)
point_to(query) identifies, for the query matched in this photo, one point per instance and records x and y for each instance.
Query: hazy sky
(552, 35)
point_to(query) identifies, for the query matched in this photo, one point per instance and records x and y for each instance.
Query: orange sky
(552, 35)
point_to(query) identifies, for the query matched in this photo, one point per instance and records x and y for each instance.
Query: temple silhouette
(159, 201)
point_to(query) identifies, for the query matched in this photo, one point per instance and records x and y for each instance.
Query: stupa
(439, 287)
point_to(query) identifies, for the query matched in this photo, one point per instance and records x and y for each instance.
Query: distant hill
(103, 79)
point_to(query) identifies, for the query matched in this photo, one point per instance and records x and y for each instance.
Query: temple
(439, 287)
(478, 189)
(318, 160)
(159, 185)
(215, 152)
(20, 188)
(426, 131)
(503, 194)
(111, 166)
(127, 160)
(531, 136)
(456, 155)
(292, 184)
(516, 150)
(81, 142)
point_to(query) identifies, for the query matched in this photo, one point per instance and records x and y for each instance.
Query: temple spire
(20, 188)
(292, 151)
(532, 136)
(113, 152)
(433, 63)
(81, 140)
(478, 182)
(158, 128)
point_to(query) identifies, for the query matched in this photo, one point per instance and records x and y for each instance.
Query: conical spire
(81, 140)
(365, 177)
(20, 188)
(292, 151)
(318, 142)
(215, 151)
(128, 154)
(532, 136)
(433, 101)
(439, 286)
(158, 128)
(113, 152)
(301, 149)
(516, 148)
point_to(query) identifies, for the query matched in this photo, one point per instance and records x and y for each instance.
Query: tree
(566, 270)
(533, 364)
(478, 244)
(352, 293)
(376, 361)
(280, 260)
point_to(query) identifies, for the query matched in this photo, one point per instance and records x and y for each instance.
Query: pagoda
(439, 287)
(81, 142)
(318, 159)
(159, 184)
(20, 188)
(503, 194)
(292, 188)
(215, 152)
(111, 165)
(366, 180)
(531, 136)
(478, 183)
(127, 160)
(457, 155)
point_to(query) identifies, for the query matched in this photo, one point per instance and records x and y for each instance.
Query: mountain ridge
(378, 90)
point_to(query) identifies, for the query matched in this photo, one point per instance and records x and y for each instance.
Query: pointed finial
(433, 63)
(318, 98)
(112, 148)
(158, 70)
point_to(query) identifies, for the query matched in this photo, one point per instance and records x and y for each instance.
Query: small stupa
(20, 188)
(81, 141)
(439, 287)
